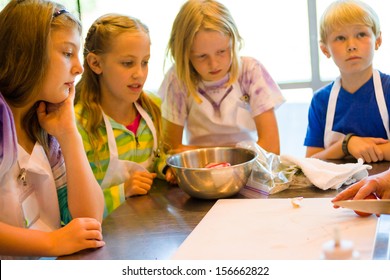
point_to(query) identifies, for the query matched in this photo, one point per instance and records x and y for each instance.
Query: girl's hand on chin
(58, 118)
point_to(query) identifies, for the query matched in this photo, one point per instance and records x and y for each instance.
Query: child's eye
(361, 35)
(340, 38)
(127, 63)
(201, 56)
(145, 62)
(68, 54)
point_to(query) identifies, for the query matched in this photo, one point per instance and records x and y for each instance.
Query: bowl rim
(254, 153)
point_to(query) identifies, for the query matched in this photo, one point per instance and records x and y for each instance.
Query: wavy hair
(99, 36)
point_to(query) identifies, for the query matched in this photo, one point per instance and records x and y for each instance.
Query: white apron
(33, 204)
(118, 171)
(330, 136)
(231, 124)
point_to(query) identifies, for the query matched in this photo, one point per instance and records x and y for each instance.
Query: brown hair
(25, 27)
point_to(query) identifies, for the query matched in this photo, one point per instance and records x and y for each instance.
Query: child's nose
(351, 46)
(213, 62)
(78, 68)
(138, 72)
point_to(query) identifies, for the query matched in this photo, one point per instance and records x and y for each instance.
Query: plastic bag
(269, 175)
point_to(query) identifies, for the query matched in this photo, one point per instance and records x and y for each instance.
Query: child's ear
(325, 50)
(378, 41)
(94, 63)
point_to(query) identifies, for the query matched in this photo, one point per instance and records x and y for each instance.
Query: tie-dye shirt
(254, 93)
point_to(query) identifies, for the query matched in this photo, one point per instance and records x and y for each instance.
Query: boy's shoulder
(325, 89)
(385, 78)
(323, 93)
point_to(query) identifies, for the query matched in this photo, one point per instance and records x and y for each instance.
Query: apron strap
(149, 123)
(330, 112)
(111, 138)
(380, 99)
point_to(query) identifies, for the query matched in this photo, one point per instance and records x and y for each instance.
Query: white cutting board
(272, 229)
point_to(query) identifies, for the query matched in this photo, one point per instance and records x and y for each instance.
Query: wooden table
(153, 226)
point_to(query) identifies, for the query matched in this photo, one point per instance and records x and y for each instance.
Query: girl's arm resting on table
(78, 235)
(267, 131)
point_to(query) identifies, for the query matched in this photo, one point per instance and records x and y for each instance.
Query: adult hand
(378, 184)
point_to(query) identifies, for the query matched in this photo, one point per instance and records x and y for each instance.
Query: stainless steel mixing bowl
(212, 183)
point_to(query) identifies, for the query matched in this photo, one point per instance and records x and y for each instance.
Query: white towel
(328, 175)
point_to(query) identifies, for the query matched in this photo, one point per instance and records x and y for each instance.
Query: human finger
(372, 155)
(94, 243)
(135, 190)
(349, 192)
(41, 110)
(93, 235)
(379, 141)
(365, 155)
(367, 189)
(379, 153)
(144, 177)
(171, 177)
(92, 224)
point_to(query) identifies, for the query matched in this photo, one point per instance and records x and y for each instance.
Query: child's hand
(366, 148)
(79, 234)
(170, 176)
(139, 183)
(58, 119)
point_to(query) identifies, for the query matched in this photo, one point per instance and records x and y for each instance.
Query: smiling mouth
(138, 86)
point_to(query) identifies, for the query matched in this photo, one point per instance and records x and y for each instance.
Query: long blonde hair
(25, 28)
(193, 16)
(88, 94)
(344, 12)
